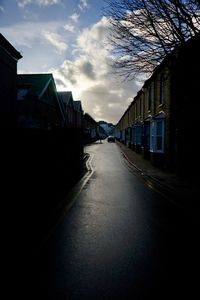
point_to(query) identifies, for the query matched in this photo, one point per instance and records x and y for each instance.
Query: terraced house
(161, 122)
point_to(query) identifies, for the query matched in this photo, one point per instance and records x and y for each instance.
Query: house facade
(67, 99)
(9, 57)
(161, 122)
(90, 129)
(73, 110)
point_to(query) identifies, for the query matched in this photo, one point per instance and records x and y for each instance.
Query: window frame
(154, 135)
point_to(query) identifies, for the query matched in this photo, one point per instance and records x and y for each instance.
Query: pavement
(181, 191)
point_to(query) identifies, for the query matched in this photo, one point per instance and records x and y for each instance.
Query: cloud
(24, 3)
(27, 34)
(22, 34)
(2, 9)
(91, 79)
(56, 40)
(87, 73)
(83, 4)
(87, 69)
(75, 17)
(66, 74)
(69, 27)
(108, 101)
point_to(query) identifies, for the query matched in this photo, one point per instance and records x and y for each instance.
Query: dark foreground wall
(186, 107)
(38, 168)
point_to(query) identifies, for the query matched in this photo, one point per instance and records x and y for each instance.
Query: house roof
(36, 84)
(4, 43)
(78, 106)
(87, 117)
(66, 97)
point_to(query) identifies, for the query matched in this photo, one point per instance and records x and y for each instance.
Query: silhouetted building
(38, 104)
(68, 102)
(73, 110)
(90, 128)
(9, 57)
(78, 114)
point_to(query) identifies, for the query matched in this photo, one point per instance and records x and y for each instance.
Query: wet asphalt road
(120, 240)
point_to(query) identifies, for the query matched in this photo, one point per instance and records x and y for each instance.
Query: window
(136, 109)
(157, 135)
(21, 93)
(147, 135)
(140, 106)
(162, 89)
(138, 135)
(149, 98)
(123, 135)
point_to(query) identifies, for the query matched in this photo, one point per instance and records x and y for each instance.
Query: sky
(69, 38)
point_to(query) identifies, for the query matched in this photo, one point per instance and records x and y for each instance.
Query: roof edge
(4, 43)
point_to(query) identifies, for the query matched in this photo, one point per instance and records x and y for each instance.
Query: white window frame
(154, 135)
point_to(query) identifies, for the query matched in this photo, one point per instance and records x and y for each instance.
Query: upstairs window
(162, 96)
(149, 97)
(22, 92)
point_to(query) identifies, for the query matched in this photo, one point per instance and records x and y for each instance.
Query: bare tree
(143, 32)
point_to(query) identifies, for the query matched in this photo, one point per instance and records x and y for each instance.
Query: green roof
(36, 83)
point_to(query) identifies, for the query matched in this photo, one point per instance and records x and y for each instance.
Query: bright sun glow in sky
(68, 39)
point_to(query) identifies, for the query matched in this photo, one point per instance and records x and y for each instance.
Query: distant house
(101, 132)
(38, 104)
(9, 57)
(108, 127)
(73, 110)
(67, 99)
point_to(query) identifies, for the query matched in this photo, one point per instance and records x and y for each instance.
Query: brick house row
(31, 100)
(73, 110)
(40, 105)
(161, 122)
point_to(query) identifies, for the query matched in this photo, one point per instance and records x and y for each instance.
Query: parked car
(111, 138)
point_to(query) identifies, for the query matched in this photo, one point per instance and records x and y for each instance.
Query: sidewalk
(177, 190)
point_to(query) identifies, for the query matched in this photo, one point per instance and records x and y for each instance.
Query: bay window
(157, 135)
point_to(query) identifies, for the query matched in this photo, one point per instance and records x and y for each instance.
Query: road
(120, 240)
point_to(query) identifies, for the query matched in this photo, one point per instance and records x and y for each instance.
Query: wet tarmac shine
(120, 240)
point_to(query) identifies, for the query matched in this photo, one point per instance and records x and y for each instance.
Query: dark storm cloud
(87, 69)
